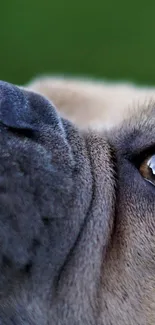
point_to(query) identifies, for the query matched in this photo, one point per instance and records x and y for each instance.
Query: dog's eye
(147, 169)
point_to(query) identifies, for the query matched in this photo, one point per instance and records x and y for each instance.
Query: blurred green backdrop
(111, 39)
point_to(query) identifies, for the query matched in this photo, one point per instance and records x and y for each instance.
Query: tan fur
(91, 103)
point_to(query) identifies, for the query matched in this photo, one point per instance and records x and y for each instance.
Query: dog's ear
(22, 109)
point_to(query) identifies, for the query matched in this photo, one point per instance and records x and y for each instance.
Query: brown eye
(147, 169)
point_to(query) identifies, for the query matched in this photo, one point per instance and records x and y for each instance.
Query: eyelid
(139, 157)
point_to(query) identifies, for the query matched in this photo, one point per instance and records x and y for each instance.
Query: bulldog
(77, 216)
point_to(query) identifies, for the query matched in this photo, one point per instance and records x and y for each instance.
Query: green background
(111, 39)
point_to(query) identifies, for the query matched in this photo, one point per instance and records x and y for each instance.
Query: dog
(77, 215)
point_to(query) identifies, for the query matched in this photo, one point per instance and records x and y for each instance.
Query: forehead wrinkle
(136, 133)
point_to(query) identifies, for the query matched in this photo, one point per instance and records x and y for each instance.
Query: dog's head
(77, 217)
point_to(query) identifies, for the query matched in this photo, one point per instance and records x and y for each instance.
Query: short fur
(89, 103)
(77, 218)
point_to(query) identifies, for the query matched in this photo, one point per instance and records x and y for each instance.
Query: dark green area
(112, 39)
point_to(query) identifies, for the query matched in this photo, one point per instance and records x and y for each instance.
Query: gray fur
(77, 220)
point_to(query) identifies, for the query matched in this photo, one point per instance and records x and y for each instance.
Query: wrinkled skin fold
(77, 220)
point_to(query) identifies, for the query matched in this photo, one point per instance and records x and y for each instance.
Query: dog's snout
(14, 107)
(22, 109)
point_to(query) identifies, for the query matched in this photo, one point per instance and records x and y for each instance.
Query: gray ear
(22, 109)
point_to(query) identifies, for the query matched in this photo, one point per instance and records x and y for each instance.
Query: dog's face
(77, 216)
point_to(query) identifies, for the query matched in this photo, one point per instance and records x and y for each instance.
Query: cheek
(148, 300)
(135, 217)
